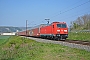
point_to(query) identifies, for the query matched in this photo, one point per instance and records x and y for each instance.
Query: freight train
(55, 30)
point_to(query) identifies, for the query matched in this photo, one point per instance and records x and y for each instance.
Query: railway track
(70, 43)
(78, 42)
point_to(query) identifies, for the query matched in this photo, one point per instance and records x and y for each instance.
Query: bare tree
(80, 23)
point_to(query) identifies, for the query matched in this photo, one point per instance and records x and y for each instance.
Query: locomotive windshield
(61, 25)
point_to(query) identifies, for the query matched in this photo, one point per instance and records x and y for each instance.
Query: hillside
(11, 29)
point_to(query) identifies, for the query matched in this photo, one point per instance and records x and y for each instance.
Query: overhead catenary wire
(65, 8)
(71, 8)
(62, 12)
(75, 14)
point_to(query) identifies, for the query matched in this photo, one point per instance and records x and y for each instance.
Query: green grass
(3, 39)
(84, 36)
(18, 48)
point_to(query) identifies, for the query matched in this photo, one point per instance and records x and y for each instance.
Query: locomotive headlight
(65, 30)
(58, 30)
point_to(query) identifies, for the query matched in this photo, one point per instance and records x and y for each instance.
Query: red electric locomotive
(55, 30)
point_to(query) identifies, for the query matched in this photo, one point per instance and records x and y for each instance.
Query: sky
(16, 12)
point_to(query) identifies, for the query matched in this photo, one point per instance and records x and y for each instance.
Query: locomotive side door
(53, 29)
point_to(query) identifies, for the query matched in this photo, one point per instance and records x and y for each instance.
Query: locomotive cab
(60, 30)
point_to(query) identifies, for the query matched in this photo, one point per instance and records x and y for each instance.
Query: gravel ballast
(72, 45)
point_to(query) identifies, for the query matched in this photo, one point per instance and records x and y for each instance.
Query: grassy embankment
(18, 48)
(84, 36)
